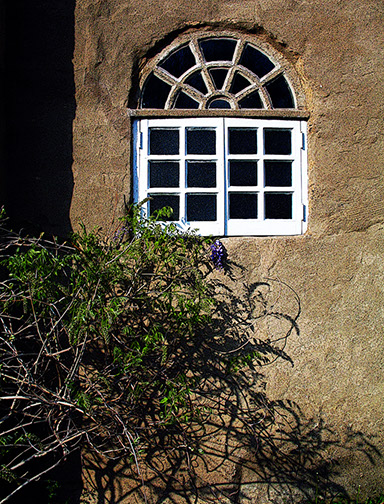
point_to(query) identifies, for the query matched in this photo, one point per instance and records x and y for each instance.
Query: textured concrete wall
(336, 269)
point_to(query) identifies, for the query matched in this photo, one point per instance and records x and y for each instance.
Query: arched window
(217, 72)
(220, 138)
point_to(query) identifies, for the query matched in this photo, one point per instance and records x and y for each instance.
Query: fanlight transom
(219, 72)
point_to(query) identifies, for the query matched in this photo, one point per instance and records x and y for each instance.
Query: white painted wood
(224, 225)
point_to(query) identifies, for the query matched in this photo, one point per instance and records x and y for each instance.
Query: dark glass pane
(280, 93)
(201, 141)
(179, 62)
(219, 103)
(277, 141)
(252, 101)
(218, 76)
(160, 201)
(163, 174)
(163, 141)
(201, 207)
(196, 80)
(242, 141)
(239, 83)
(155, 93)
(256, 61)
(278, 206)
(278, 173)
(218, 49)
(242, 206)
(183, 101)
(201, 174)
(243, 173)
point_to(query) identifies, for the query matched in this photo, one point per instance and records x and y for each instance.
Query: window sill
(243, 113)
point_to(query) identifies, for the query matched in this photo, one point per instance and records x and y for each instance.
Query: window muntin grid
(217, 72)
(224, 176)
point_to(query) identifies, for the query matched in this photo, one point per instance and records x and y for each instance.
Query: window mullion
(260, 174)
(182, 168)
(221, 186)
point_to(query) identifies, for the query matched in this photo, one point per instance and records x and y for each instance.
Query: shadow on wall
(245, 447)
(39, 108)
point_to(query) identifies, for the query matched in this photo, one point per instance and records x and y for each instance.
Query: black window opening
(163, 141)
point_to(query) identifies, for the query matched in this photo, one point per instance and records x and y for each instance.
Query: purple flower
(120, 234)
(217, 254)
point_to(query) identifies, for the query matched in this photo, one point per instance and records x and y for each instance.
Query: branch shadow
(241, 446)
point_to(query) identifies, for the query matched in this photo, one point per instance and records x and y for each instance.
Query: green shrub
(95, 336)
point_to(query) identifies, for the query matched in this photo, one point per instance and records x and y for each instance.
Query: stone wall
(334, 376)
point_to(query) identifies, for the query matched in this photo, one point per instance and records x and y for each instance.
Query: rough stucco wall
(337, 373)
(337, 268)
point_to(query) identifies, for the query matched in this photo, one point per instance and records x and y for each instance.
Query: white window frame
(223, 225)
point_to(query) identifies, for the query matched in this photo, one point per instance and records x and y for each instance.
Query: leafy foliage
(135, 348)
(92, 332)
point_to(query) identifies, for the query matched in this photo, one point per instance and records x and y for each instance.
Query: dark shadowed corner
(39, 108)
